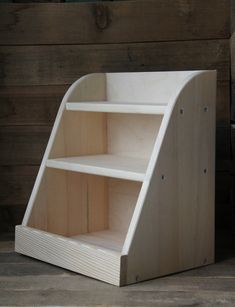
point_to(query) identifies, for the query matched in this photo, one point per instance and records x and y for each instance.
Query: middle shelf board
(122, 167)
(117, 107)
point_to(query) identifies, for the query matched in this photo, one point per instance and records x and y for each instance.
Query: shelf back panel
(132, 134)
(72, 203)
(88, 133)
(154, 87)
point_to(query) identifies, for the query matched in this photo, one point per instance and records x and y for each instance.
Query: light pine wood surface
(136, 187)
(114, 107)
(179, 212)
(104, 165)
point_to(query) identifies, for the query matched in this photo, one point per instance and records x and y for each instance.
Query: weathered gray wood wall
(232, 167)
(45, 47)
(233, 58)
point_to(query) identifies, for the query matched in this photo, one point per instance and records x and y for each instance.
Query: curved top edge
(154, 158)
(185, 82)
(135, 86)
(76, 83)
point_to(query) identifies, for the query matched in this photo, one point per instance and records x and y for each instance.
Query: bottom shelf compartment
(69, 253)
(107, 239)
(89, 209)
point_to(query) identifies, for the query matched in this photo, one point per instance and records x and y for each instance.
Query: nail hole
(137, 278)
(205, 109)
(181, 111)
(163, 177)
(205, 170)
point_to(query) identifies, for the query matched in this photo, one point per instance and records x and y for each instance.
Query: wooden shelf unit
(125, 191)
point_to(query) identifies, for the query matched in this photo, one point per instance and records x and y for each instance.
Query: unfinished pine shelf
(125, 191)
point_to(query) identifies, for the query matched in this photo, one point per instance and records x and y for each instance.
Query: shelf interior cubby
(110, 144)
(87, 208)
(93, 176)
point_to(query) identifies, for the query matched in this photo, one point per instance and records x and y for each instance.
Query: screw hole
(181, 111)
(205, 109)
(205, 170)
(163, 177)
(137, 278)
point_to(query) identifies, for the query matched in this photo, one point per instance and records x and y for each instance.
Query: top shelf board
(117, 107)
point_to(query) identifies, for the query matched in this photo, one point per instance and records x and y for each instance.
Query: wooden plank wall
(233, 58)
(232, 168)
(45, 47)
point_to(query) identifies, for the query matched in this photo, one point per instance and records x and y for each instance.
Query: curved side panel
(175, 229)
(89, 87)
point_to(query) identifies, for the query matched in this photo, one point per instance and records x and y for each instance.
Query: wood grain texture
(37, 1)
(57, 139)
(23, 145)
(233, 141)
(223, 102)
(30, 105)
(49, 65)
(233, 73)
(105, 165)
(112, 107)
(138, 297)
(127, 22)
(181, 160)
(113, 22)
(97, 203)
(132, 135)
(108, 239)
(131, 87)
(73, 203)
(123, 195)
(233, 100)
(223, 143)
(38, 105)
(26, 145)
(232, 3)
(16, 183)
(70, 204)
(69, 254)
(26, 281)
(84, 133)
(11, 215)
(178, 205)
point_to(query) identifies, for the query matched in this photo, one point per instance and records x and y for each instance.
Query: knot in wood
(101, 14)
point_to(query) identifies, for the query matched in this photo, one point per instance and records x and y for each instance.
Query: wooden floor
(28, 282)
